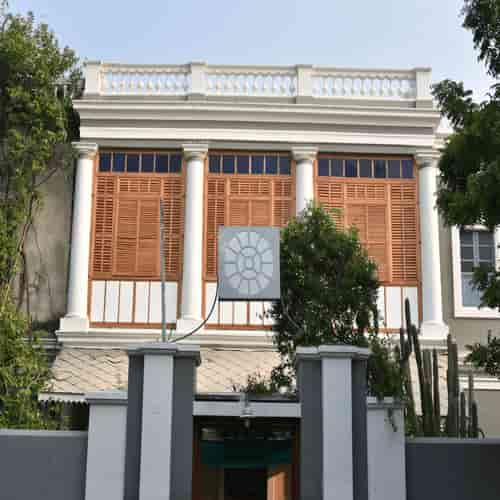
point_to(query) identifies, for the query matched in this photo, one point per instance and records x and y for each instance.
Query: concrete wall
(42, 464)
(386, 456)
(47, 249)
(458, 469)
(386, 450)
(488, 403)
(106, 446)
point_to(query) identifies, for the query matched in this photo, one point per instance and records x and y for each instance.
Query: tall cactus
(459, 421)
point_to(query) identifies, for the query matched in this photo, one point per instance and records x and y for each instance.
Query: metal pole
(162, 274)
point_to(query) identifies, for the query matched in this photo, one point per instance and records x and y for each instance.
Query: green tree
(469, 167)
(329, 290)
(37, 123)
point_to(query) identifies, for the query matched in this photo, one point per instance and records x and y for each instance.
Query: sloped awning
(78, 371)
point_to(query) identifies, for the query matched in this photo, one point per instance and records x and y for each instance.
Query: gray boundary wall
(42, 464)
(458, 469)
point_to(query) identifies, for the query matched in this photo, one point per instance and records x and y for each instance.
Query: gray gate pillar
(159, 450)
(332, 391)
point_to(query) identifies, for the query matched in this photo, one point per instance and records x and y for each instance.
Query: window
(379, 196)
(134, 163)
(126, 240)
(258, 164)
(378, 168)
(471, 247)
(243, 189)
(477, 249)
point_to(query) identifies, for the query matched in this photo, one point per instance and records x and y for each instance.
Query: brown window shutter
(102, 252)
(331, 196)
(125, 250)
(377, 242)
(404, 231)
(371, 222)
(261, 213)
(239, 212)
(282, 202)
(126, 225)
(173, 211)
(216, 207)
(148, 241)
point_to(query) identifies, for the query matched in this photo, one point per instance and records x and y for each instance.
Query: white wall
(386, 452)
(106, 450)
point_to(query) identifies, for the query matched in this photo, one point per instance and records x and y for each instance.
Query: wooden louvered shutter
(371, 222)
(173, 211)
(239, 212)
(260, 213)
(216, 207)
(331, 196)
(125, 250)
(137, 237)
(404, 233)
(376, 241)
(102, 260)
(282, 202)
(148, 240)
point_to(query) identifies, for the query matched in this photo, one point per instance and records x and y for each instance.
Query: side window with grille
(477, 248)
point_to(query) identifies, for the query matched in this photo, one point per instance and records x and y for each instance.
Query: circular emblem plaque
(248, 263)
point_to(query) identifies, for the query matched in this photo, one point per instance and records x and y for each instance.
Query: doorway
(234, 461)
(245, 484)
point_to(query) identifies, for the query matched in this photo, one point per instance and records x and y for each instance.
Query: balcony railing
(199, 79)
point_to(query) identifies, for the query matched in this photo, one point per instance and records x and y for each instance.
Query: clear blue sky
(343, 33)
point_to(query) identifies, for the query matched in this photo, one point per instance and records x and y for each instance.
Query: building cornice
(120, 338)
(187, 121)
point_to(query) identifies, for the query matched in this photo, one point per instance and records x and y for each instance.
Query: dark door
(245, 484)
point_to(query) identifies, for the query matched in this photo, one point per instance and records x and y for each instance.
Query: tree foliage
(486, 356)
(329, 290)
(469, 167)
(23, 374)
(37, 122)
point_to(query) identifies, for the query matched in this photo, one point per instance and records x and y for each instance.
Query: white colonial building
(244, 145)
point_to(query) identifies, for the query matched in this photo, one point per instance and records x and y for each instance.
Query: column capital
(195, 151)
(304, 153)
(85, 149)
(427, 159)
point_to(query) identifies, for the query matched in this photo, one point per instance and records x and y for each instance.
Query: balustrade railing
(256, 81)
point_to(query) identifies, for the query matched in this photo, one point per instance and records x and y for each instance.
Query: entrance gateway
(240, 459)
(161, 441)
(180, 445)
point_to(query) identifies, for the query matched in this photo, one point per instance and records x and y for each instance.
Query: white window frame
(460, 310)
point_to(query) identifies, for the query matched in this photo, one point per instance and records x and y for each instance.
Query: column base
(186, 325)
(434, 330)
(74, 324)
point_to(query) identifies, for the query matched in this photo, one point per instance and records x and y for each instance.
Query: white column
(191, 313)
(304, 157)
(106, 445)
(76, 318)
(433, 326)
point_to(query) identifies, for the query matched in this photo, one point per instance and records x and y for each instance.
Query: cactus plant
(462, 417)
